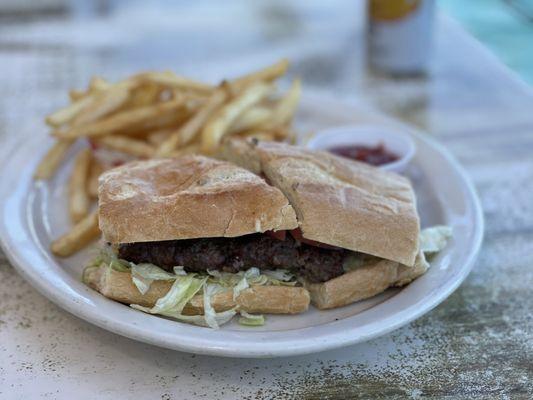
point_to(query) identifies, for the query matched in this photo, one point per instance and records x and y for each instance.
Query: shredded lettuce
(353, 261)
(144, 274)
(279, 275)
(87, 270)
(108, 257)
(178, 270)
(181, 292)
(211, 317)
(118, 265)
(357, 260)
(221, 318)
(209, 311)
(253, 276)
(251, 319)
(239, 287)
(187, 285)
(433, 240)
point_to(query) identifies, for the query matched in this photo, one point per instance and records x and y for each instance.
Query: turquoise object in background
(504, 26)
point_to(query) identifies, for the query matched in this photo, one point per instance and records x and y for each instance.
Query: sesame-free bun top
(185, 198)
(338, 201)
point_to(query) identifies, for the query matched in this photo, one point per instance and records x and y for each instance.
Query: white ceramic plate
(32, 214)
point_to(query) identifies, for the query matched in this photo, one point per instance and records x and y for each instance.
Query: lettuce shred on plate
(433, 240)
(186, 285)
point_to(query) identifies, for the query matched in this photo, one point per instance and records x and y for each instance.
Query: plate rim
(274, 349)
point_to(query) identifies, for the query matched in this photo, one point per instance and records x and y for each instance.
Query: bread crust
(256, 299)
(188, 197)
(338, 201)
(364, 282)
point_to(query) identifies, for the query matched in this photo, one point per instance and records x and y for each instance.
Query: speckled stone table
(477, 344)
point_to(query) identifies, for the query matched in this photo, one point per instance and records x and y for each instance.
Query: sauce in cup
(373, 155)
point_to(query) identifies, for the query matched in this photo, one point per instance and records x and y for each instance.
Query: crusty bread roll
(338, 201)
(364, 282)
(189, 197)
(256, 299)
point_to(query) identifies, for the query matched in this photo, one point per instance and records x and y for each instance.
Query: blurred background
(66, 42)
(504, 26)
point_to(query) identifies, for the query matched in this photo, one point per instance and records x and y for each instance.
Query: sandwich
(364, 212)
(269, 230)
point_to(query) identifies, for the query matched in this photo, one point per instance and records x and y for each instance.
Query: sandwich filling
(216, 265)
(262, 251)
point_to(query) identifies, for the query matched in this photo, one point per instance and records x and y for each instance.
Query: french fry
(190, 129)
(293, 137)
(76, 94)
(171, 80)
(286, 107)
(78, 196)
(98, 84)
(100, 98)
(219, 123)
(84, 232)
(282, 132)
(144, 95)
(103, 104)
(251, 119)
(170, 120)
(51, 161)
(95, 170)
(279, 133)
(267, 74)
(157, 137)
(193, 148)
(122, 121)
(127, 145)
(264, 136)
(66, 114)
(190, 94)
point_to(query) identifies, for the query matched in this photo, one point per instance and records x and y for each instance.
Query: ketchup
(377, 155)
(298, 236)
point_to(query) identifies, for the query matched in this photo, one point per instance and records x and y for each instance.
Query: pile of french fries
(158, 114)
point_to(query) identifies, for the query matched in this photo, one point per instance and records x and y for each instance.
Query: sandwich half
(182, 232)
(366, 213)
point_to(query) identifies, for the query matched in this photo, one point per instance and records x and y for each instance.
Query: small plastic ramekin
(395, 141)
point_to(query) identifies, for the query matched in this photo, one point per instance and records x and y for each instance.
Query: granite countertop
(477, 344)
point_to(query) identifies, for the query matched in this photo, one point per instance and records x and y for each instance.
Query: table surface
(478, 343)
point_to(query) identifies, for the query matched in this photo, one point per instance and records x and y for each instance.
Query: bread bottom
(256, 299)
(359, 284)
(364, 282)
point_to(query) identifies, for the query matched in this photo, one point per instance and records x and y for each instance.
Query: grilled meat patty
(316, 264)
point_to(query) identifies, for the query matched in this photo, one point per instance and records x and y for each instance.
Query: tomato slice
(279, 235)
(297, 235)
(93, 145)
(117, 163)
